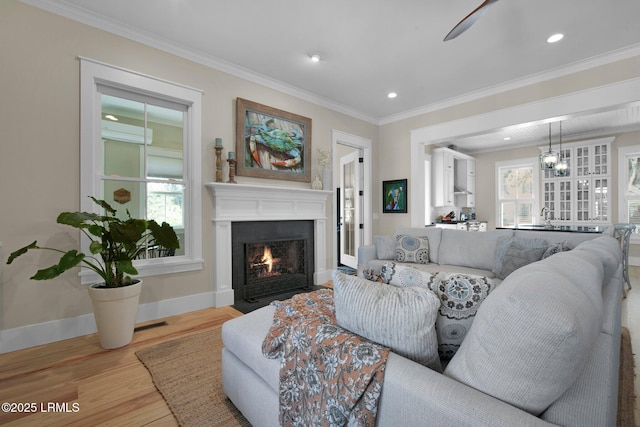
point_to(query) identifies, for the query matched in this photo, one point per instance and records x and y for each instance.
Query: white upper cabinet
(453, 176)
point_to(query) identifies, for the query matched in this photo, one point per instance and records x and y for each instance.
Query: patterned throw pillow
(413, 249)
(555, 248)
(460, 296)
(405, 276)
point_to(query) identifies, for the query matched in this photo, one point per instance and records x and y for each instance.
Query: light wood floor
(103, 387)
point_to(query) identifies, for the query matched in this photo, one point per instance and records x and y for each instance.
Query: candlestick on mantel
(231, 155)
(218, 161)
(218, 142)
(232, 169)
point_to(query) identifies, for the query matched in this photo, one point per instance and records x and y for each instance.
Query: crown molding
(608, 58)
(62, 8)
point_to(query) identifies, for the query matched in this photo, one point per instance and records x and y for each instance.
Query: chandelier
(549, 159)
(562, 167)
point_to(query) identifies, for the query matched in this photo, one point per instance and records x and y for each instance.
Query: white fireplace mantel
(241, 202)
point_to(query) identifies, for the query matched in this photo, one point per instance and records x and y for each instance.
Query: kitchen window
(516, 192)
(629, 187)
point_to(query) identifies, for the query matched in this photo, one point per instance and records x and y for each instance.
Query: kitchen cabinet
(465, 226)
(581, 197)
(453, 176)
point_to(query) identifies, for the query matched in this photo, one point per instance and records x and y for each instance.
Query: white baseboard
(321, 277)
(58, 330)
(634, 261)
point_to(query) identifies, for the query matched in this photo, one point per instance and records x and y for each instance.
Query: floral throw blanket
(328, 376)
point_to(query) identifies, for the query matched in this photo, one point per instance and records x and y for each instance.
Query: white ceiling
(371, 47)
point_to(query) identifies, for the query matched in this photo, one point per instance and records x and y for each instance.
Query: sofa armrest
(424, 395)
(366, 253)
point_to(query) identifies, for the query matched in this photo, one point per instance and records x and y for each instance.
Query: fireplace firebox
(271, 258)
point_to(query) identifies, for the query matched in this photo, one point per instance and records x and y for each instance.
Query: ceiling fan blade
(469, 20)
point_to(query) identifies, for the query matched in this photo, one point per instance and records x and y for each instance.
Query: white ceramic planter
(115, 310)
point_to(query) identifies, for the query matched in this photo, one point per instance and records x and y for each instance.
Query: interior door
(351, 208)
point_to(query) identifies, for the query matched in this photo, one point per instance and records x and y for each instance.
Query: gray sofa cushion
(515, 252)
(572, 239)
(532, 335)
(402, 319)
(385, 247)
(243, 337)
(470, 249)
(608, 249)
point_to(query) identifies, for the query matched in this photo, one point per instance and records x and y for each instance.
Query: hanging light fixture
(562, 167)
(549, 159)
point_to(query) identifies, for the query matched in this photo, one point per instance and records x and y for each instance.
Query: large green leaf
(106, 206)
(164, 235)
(22, 251)
(95, 247)
(79, 219)
(69, 260)
(126, 266)
(129, 231)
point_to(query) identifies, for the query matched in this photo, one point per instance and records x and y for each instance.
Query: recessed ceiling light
(392, 95)
(507, 138)
(315, 58)
(555, 38)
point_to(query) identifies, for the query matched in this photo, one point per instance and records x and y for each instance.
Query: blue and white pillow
(460, 297)
(414, 249)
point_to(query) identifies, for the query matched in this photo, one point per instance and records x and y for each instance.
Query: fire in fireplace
(274, 267)
(271, 257)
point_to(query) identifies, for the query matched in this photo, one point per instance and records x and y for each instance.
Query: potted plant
(115, 243)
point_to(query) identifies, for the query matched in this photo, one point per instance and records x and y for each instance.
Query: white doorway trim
(343, 138)
(600, 98)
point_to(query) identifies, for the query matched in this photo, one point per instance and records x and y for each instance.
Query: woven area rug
(626, 395)
(187, 372)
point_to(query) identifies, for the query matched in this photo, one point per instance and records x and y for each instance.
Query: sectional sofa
(540, 348)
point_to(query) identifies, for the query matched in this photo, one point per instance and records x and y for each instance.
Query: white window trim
(623, 153)
(533, 161)
(93, 73)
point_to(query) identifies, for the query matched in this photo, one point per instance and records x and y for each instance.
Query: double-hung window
(629, 187)
(516, 192)
(140, 152)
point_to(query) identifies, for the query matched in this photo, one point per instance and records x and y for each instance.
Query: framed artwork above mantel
(272, 143)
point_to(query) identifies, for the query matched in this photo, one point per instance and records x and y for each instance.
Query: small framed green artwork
(394, 196)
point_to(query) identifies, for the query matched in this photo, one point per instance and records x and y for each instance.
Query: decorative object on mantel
(324, 159)
(562, 168)
(317, 184)
(232, 167)
(394, 196)
(549, 159)
(272, 143)
(218, 148)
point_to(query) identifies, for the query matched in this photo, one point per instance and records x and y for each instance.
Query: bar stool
(623, 232)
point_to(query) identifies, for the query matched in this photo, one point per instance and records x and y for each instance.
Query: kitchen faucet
(544, 213)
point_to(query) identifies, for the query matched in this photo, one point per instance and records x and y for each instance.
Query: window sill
(155, 267)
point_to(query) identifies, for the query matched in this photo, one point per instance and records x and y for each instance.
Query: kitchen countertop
(569, 228)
